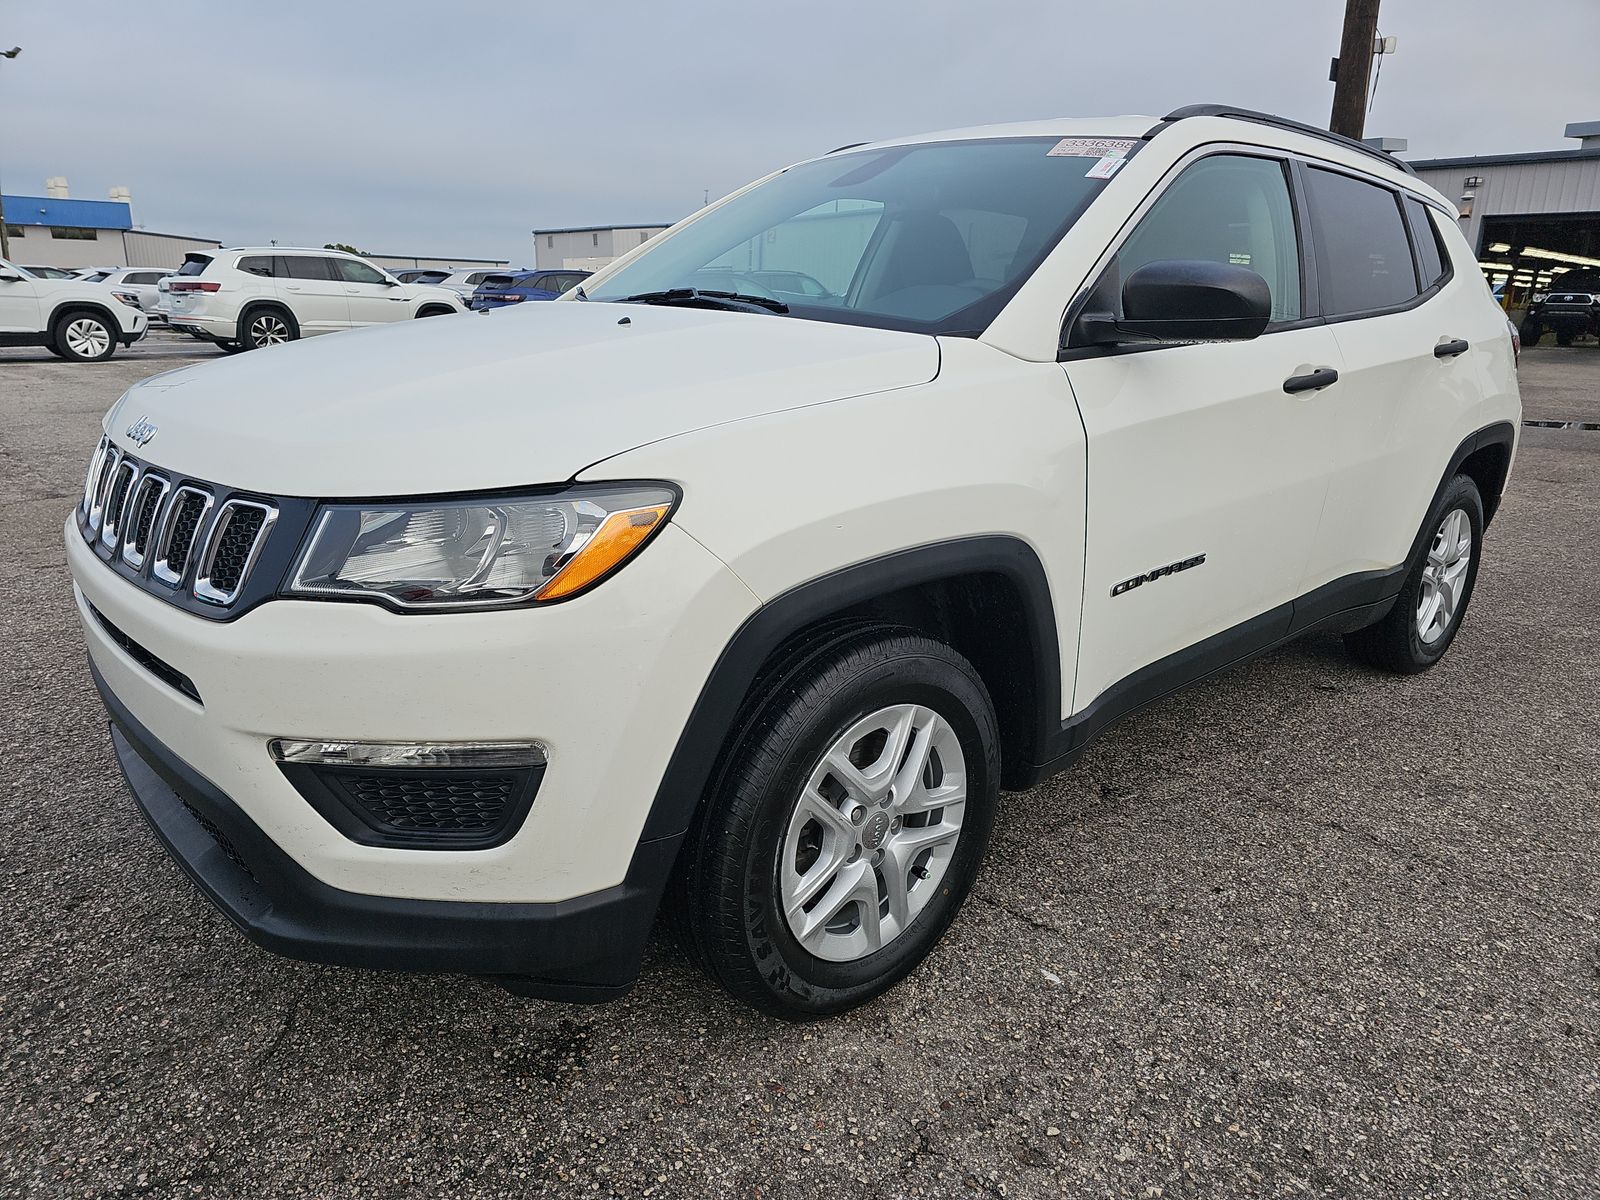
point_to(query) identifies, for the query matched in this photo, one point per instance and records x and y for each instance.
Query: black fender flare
(716, 711)
(93, 306)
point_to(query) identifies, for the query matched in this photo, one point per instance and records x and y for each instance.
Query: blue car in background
(514, 287)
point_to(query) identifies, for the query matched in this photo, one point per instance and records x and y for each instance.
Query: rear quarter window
(1363, 253)
(257, 264)
(1431, 255)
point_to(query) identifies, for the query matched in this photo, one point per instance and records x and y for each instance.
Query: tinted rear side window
(1363, 253)
(1430, 250)
(257, 264)
(303, 267)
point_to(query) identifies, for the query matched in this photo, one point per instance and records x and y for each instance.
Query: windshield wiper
(733, 301)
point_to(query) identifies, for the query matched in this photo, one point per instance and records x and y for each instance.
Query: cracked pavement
(1301, 930)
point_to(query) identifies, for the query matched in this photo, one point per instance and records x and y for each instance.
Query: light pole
(5, 242)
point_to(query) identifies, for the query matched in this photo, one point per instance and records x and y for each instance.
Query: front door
(315, 293)
(373, 297)
(1202, 501)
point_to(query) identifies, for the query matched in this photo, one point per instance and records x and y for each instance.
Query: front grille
(470, 804)
(194, 543)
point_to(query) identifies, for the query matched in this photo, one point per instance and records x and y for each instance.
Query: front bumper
(605, 682)
(585, 949)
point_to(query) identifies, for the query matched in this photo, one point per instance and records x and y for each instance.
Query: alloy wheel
(268, 330)
(1444, 576)
(873, 832)
(87, 338)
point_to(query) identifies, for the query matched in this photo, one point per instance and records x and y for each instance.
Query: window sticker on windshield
(1093, 147)
(1105, 168)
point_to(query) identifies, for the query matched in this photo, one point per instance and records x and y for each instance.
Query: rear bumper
(581, 950)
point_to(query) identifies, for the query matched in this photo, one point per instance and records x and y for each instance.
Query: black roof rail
(840, 149)
(1261, 118)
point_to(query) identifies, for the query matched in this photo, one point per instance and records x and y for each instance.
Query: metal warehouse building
(1527, 216)
(60, 232)
(590, 247)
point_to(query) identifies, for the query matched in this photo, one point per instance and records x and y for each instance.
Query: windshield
(933, 237)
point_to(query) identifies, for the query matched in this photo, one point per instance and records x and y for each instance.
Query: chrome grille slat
(92, 478)
(124, 482)
(227, 558)
(108, 466)
(143, 521)
(177, 516)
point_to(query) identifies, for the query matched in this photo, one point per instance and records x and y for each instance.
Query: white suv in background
(74, 320)
(748, 582)
(249, 297)
(142, 283)
(464, 283)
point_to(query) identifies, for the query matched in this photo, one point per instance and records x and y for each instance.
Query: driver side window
(1226, 208)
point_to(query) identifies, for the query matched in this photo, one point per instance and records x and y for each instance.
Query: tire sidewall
(1463, 494)
(789, 972)
(81, 314)
(249, 317)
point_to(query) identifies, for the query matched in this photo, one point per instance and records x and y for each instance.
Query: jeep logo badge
(141, 431)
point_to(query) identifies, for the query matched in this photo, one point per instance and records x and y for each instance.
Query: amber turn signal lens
(619, 536)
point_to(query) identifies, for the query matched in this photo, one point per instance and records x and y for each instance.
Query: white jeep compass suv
(250, 297)
(78, 321)
(749, 581)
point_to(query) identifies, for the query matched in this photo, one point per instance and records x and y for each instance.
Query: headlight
(128, 298)
(481, 552)
(1540, 297)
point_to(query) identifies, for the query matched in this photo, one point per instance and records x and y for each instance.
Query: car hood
(521, 395)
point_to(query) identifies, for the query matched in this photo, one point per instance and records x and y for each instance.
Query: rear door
(314, 292)
(372, 296)
(1202, 498)
(1387, 292)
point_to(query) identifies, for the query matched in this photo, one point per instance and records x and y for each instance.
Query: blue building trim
(74, 214)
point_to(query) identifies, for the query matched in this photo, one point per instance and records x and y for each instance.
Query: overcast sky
(454, 128)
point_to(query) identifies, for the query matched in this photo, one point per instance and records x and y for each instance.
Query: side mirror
(1179, 300)
(391, 282)
(8, 277)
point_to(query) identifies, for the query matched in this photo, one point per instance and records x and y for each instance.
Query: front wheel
(847, 825)
(1424, 620)
(84, 337)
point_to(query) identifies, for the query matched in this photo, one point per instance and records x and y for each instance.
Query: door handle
(1311, 382)
(1450, 349)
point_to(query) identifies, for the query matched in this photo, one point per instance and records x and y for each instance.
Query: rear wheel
(267, 327)
(84, 336)
(1531, 333)
(847, 826)
(1424, 620)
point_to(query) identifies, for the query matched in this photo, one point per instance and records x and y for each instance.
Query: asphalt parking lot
(1302, 930)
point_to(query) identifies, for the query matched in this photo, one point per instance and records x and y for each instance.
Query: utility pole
(1352, 70)
(5, 242)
